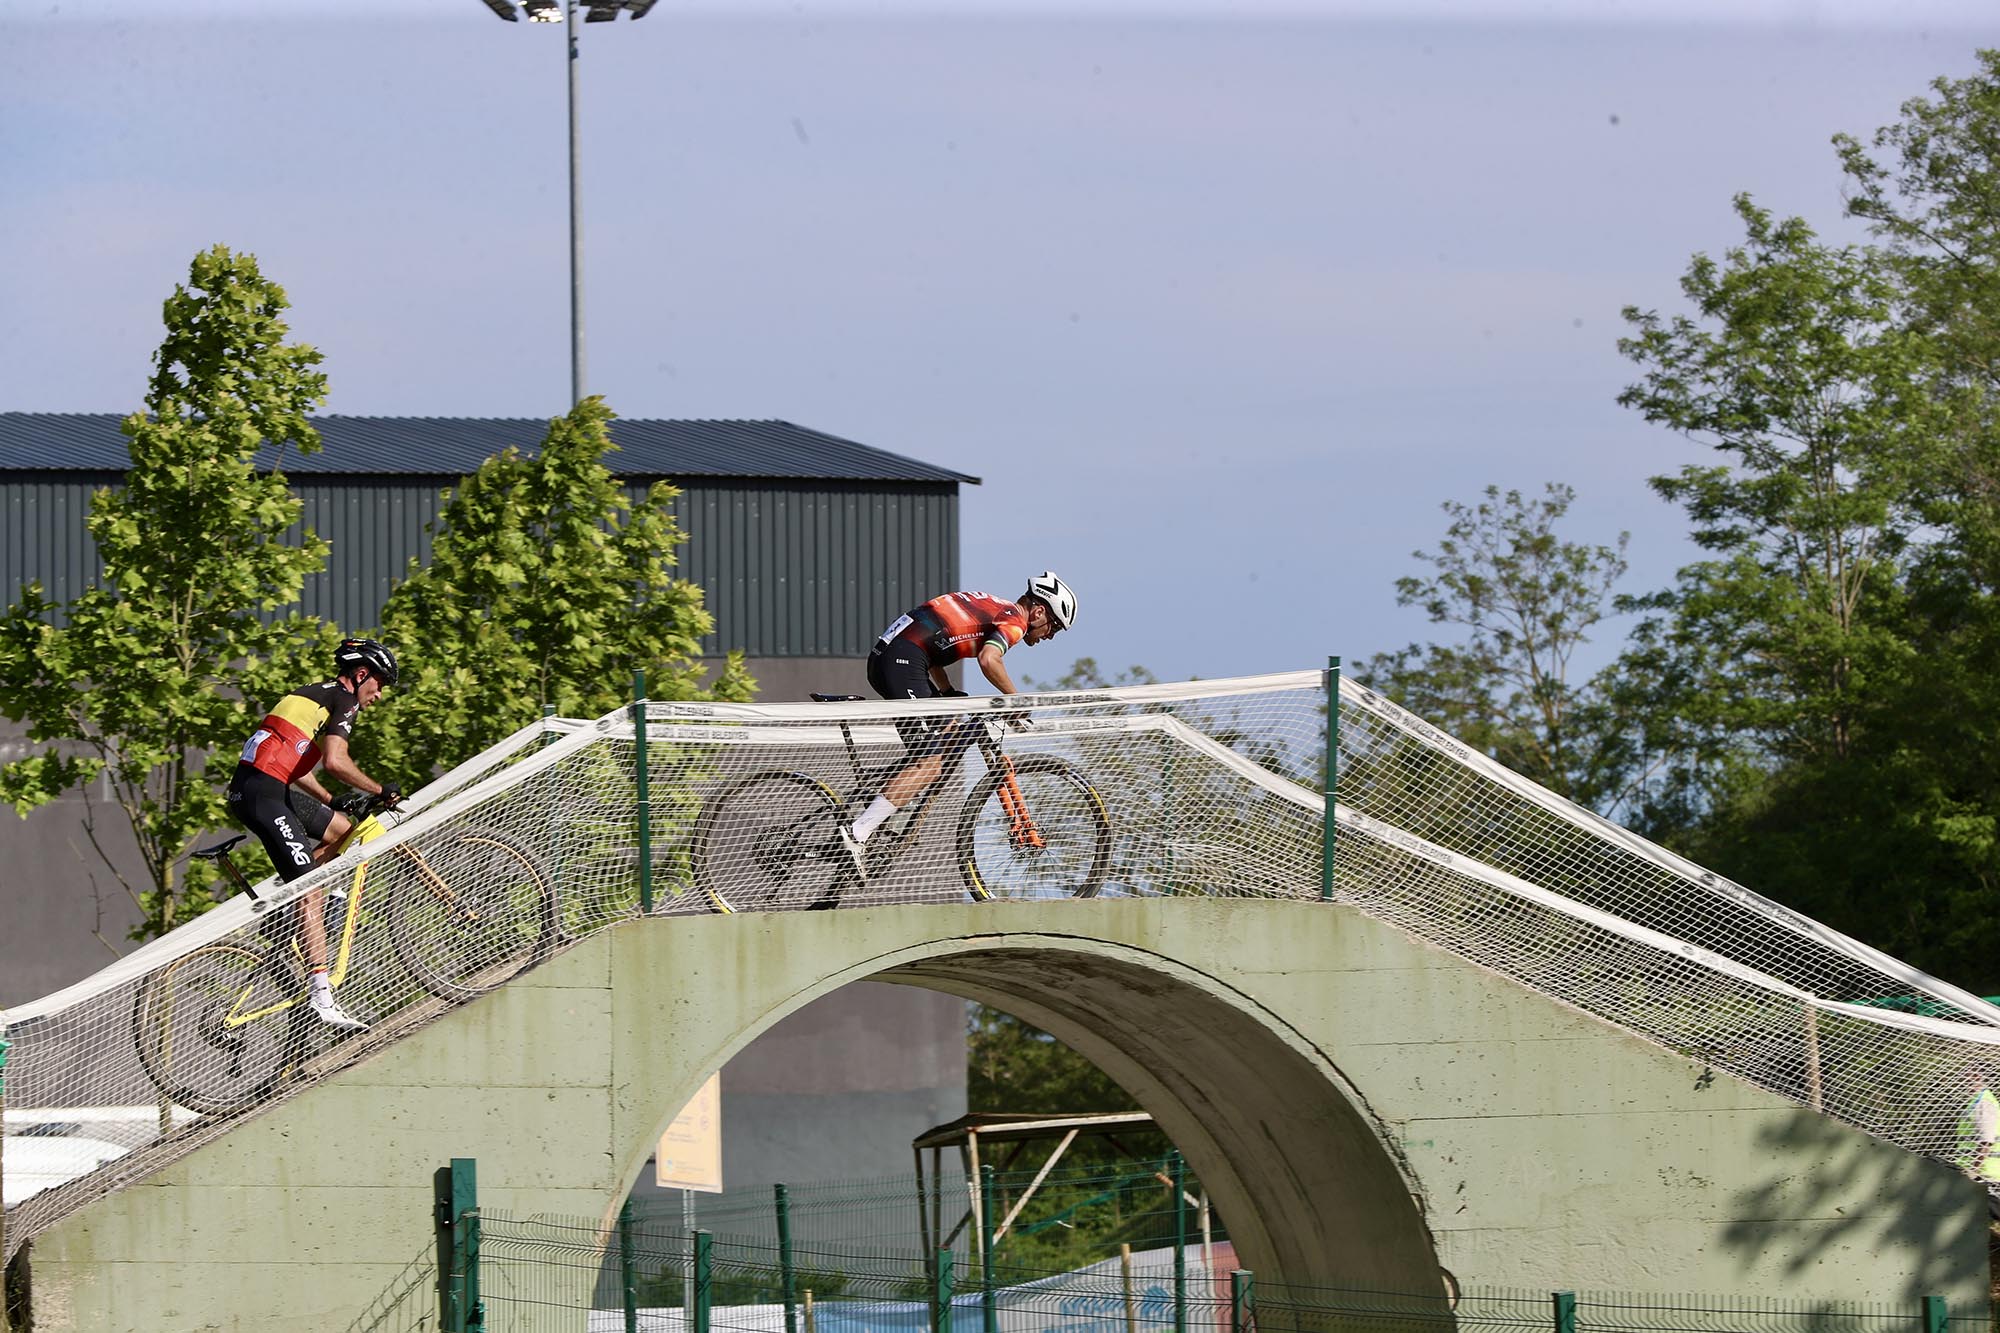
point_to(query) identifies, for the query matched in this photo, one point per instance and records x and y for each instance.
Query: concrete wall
(1363, 1108)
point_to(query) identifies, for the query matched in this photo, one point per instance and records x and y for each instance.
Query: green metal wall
(790, 569)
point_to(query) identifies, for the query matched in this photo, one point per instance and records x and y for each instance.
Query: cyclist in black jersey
(275, 795)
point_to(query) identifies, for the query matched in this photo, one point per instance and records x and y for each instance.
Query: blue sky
(1223, 300)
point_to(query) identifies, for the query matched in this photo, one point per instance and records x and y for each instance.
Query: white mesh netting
(1209, 788)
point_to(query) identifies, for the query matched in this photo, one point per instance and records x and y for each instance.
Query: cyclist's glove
(1020, 721)
(353, 804)
(391, 797)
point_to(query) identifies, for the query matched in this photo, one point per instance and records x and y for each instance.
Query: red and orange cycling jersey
(957, 625)
(286, 743)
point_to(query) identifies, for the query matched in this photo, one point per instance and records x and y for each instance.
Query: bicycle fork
(1021, 830)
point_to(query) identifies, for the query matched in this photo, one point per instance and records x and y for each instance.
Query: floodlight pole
(575, 221)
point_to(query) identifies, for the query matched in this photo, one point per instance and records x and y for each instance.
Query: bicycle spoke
(214, 1029)
(1053, 843)
(469, 911)
(768, 843)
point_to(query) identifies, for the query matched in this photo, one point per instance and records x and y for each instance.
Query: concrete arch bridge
(1454, 1030)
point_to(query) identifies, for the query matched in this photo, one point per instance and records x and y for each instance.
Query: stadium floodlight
(555, 11)
(551, 11)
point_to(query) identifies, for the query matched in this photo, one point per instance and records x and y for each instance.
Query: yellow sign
(690, 1156)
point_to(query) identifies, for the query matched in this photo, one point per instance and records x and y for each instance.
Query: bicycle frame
(364, 832)
(983, 734)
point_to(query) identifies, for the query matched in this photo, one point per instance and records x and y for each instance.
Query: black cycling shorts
(263, 805)
(897, 670)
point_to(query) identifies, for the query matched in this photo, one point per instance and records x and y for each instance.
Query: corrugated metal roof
(454, 446)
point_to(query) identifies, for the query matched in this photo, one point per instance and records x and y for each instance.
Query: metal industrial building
(805, 545)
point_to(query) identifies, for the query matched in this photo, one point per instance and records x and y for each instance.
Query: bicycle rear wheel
(216, 1030)
(1067, 814)
(467, 911)
(767, 842)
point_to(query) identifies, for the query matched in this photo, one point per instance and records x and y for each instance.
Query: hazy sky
(1222, 300)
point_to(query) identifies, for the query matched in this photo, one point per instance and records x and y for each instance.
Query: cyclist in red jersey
(275, 795)
(909, 661)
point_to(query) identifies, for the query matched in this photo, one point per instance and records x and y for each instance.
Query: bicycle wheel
(217, 1029)
(766, 842)
(1069, 816)
(467, 911)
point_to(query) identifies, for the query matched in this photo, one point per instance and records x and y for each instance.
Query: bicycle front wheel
(467, 912)
(1067, 854)
(217, 1029)
(767, 842)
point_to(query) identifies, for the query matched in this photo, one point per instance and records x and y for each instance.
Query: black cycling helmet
(354, 653)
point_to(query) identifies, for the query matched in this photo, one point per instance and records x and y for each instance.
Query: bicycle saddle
(219, 850)
(837, 698)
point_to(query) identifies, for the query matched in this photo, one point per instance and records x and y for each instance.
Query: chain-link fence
(640, 1274)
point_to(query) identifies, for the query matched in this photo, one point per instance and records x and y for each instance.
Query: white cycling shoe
(857, 852)
(328, 1011)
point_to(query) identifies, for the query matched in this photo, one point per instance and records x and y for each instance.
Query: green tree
(1526, 601)
(136, 681)
(1796, 369)
(1812, 679)
(546, 586)
(1013, 1067)
(1932, 200)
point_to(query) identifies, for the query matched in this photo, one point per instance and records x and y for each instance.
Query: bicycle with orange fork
(1032, 827)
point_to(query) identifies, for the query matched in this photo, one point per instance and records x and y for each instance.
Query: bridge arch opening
(1311, 1183)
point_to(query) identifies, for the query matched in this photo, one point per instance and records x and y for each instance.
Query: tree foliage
(135, 682)
(547, 586)
(1810, 706)
(1525, 601)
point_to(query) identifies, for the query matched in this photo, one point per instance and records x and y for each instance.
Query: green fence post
(704, 1288)
(1565, 1302)
(1936, 1317)
(455, 1189)
(1177, 1170)
(785, 1273)
(1242, 1300)
(941, 1291)
(628, 1267)
(1331, 776)
(645, 796)
(548, 711)
(988, 1301)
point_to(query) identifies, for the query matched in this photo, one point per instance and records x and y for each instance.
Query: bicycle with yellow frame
(223, 1027)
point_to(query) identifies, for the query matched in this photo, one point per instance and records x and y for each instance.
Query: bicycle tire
(767, 841)
(179, 1026)
(482, 915)
(1068, 813)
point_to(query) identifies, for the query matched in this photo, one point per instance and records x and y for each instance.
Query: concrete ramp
(1364, 1107)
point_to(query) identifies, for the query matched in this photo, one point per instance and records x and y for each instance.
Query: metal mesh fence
(1206, 789)
(535, 1275)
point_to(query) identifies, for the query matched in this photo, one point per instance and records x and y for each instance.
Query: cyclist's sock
(871, 819)
(322, 989)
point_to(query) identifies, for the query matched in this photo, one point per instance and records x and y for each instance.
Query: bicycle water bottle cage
(837, 698)
(219, 850)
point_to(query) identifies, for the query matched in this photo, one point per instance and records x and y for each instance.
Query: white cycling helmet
(1053, 593)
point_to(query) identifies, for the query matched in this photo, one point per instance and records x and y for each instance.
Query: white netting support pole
(1330, 776)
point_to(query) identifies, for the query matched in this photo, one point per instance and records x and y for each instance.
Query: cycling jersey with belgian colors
(957, 625)
(286, 743)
